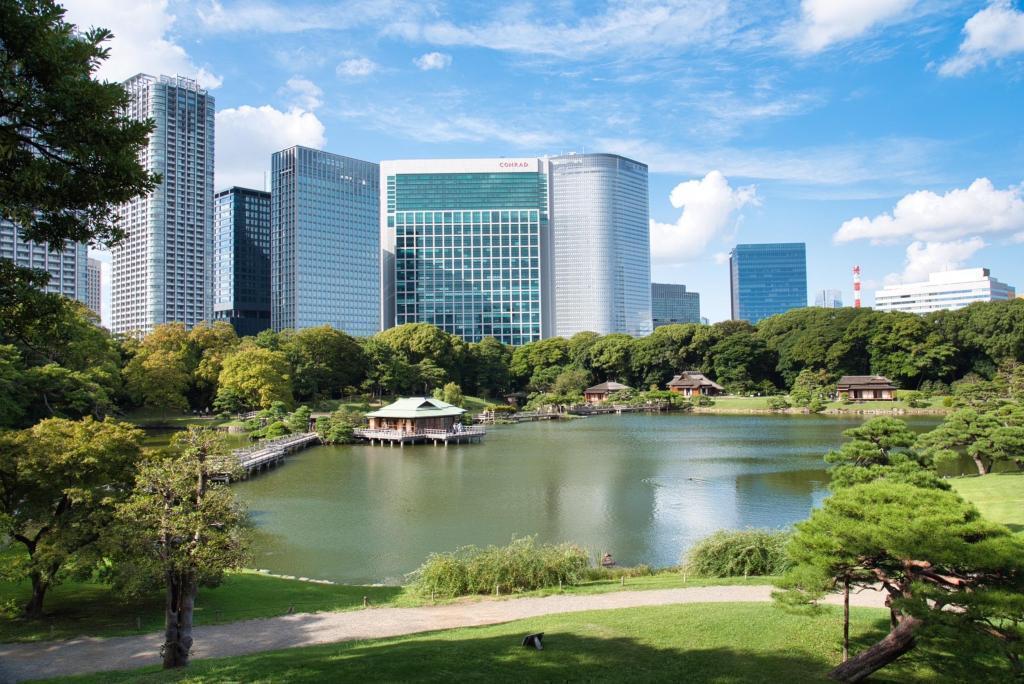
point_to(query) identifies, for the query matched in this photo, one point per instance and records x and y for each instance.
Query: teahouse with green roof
(416, 414)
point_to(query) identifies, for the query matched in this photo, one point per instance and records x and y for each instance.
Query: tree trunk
(846, 619)
(34, 607)
(982, 468)
(897, 642)
(181, 594)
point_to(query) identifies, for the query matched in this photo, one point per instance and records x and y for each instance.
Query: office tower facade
(944, 290)
(671, 303)
(829, 299)
(68, 268)
(600, 245)
(463, 246)
(241, 259)
(161, 271)
(325, 241)
(767, 279)
(94, 288)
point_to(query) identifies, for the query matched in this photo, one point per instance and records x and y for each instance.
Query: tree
(571, 382)
(423, 341)
(325, 361)
(59, 483)
(388, 371)
(490, 361)
(989, 434)
(252, 378)
(938, 561)
(158, 378)
(810, 385)
(338, 427)
(182, 530)
(880, 449)
(429, 375)
(208, 343)
(298, 420)
(611, 357)
(451, 394)
(743, 363)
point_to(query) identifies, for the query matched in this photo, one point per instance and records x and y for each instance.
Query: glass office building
(325, 241)
(161, 270)
(68, 268)
(767, 279)
(463, 246)
(241, 259)
(671, 303)
(829, 299)
(600, 245)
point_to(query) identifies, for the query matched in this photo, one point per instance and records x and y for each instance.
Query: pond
(641, 487)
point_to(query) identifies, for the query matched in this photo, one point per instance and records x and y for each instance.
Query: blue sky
(885, 133)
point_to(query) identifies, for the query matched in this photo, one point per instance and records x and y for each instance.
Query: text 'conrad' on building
(462, 246)
(161, 270)
(944, 290)
(325, 241)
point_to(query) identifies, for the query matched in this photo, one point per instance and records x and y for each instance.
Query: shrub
(602, 573)
(778, 403)
(501, 408)
(522, 565)
(701, 400)
(734, 553)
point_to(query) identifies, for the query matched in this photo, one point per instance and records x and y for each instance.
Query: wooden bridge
(269, 453)
(403, 437)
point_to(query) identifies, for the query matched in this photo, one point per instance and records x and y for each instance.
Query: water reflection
(641, 487)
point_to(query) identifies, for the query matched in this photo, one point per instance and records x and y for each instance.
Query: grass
(999, 496)
(740, 403)
(741, 642)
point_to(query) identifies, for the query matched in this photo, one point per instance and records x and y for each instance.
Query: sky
(883, 133)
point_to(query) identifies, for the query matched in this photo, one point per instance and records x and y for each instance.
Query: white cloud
(826, 22)
(931, 257)
(141, 40)
(306, 94)
(993, 33)
(924, 215)
(247, 136)
(709, 206)
(640, 26)
(357, 67)
(266, 16)
(433, 60)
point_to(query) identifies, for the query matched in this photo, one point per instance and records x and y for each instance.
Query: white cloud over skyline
(709, 208)
(433, 61)
(993, 33)
(247, 136)
(923, 258)
(305, 94)
(826, 22)
(142, 41)
(357, 67)
(926, 216)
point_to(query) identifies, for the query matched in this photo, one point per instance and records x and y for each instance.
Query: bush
(734, 553)
(701, 400)
(602, 573)
(523, 565)
(501, 408)
(778, 403)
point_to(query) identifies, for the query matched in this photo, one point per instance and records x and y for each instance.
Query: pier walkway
(271, 452)
(403, 437)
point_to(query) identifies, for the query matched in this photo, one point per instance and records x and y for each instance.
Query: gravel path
(19, 662)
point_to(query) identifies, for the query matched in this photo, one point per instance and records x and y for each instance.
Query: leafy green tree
(325, 361)
(12, 395)
(668, 350)
(580, 348)
(388, 371)
(429, 375)
(423, 341)
(491, 360)
(537, 364)
(742, 362)
(63, 393)
(253, 378)
(939, 562)
(571, 382)
(338, 427)
(611, 357)
(158, 378)
(182, 530)
(810, 385)
(209, 343)
(59, 483)
(988, 434)
(451, 394)
(880, 449)
(298, 420)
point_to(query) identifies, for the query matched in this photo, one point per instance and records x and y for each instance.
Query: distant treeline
(64, 365)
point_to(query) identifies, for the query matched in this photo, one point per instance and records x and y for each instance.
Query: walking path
(19, 662)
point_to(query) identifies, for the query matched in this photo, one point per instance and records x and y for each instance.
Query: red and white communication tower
(856, 287)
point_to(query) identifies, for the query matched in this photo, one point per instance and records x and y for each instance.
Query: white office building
(68, 269)
(600, 245)
(943, 291)
(162, 269)
(94, 291)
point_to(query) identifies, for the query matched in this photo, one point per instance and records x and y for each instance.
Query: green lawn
(999, 496)
(726, 643)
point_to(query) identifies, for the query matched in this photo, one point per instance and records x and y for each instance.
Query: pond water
(642, 487)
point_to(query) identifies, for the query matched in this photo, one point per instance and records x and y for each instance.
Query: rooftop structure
(945, 290)
(671, 303)
(418, 419)
(692, 383)
(602, 391)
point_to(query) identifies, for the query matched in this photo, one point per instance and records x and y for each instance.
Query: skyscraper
(671, 303)
(94, 289)
(463, 246)
(325, 241)
(241, 259)
(161, 270)
(68, 268)
(600, 245)
(767, 279)
(829, 299)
